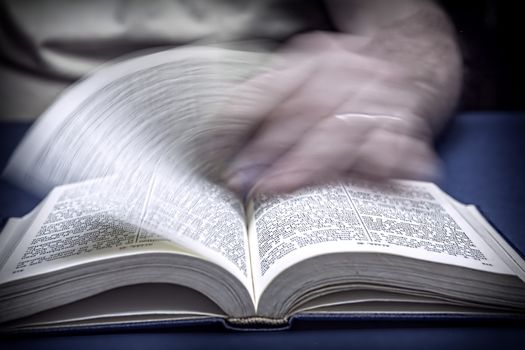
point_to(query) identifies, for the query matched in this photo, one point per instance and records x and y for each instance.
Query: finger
(306, 160)
(247, 106)
(374, 88)
(288, 122)
(253, 100)
(323, 155)
(392, 102)
(390, 155)
(312, 43)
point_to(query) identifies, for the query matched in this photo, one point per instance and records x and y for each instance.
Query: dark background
(490, 33)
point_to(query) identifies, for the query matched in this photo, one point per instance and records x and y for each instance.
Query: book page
(93, 220)
(13, 232)
(511, 257)
(201, 216)
(408, 218)
(137, 303)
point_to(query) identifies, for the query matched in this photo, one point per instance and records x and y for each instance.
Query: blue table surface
(484, 164)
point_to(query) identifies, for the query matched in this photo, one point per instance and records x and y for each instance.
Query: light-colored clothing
(47, 44)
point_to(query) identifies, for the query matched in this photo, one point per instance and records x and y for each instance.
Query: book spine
(257, 323)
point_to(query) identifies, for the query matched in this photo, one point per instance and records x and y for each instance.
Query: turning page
(408, 218)
(157, 110)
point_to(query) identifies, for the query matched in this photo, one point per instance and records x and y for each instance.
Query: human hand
(330, 111)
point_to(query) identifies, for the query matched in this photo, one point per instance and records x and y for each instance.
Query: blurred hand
(327, 111)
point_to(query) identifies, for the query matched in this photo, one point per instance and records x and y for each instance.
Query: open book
(354, 247)
(144, 232)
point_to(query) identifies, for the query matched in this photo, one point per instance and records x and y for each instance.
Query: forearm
(416, 35)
